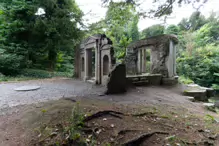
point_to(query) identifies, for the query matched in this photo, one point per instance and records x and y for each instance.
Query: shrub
(202, 66)
(36, 73)
(10, 64)
(185, 80)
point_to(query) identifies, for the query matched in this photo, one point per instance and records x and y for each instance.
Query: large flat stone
(199, 95)
(27, 88)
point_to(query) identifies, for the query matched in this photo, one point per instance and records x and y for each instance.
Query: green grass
(33, 74)
(17, 78)
(185, 80)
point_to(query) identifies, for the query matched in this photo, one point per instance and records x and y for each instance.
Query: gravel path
(54, 89)
(51, 89)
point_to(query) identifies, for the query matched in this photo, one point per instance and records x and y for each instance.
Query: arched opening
(105, 65)
(82, 64)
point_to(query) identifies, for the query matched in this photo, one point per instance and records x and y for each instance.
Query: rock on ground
(117, 80)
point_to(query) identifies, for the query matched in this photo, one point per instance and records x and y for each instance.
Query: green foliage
(31, 40)
(75, 126)
(121, 26)
(198, 49)
(153, 30)
(209, 118)
(215, 86)
(195, 22)
(208, 34)
(185, 80)
(201, 66)
(172, 29)
(36, 73)
(10, 63)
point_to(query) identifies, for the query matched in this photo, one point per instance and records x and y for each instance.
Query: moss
(185, 80)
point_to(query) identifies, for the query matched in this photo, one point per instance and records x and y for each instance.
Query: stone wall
(159, 55)
(102, 46)
(163, 55)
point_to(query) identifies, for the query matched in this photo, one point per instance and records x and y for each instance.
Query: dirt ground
(148, 116)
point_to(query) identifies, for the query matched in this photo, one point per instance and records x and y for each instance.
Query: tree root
(69, 99)
(122, 132)
(102, 113)
(143, 114)
(137, 141)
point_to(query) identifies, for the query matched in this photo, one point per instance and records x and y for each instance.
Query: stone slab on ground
(27, 88)
(198, 92)
(209, 104)
(199, 95)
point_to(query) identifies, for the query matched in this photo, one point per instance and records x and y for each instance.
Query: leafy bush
(62, 74)
(10, 64)
(3, 77)
(185, 80)
(201, 66)
(36, 73)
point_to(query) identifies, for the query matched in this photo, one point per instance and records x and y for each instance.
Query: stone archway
(105, 65)
(82, 64)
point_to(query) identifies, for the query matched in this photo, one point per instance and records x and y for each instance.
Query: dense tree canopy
(121, 26)
(161, 7)
(153, 30)
(29, 39)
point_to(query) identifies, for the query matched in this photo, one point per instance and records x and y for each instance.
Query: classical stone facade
(94, 59)
(162, 56)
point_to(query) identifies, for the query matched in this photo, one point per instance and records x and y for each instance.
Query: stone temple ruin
(94, 59)
(148, 61)
(152, 60)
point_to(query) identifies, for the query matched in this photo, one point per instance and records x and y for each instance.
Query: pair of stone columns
(87, 63)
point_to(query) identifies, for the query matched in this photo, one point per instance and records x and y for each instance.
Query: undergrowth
(31, 74)
(184, 80)
(69, 133)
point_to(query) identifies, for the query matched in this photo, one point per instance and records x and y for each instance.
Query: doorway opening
(105, 65)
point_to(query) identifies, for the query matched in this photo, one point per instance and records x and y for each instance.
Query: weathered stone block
(155, 79)
(210, 92)
(117, 80)
(199, 95)
(169, 81)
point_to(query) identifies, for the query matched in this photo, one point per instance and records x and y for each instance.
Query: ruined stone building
(151, 60)
(159, 52)
(94, 59)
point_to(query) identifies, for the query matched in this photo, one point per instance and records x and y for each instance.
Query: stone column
(139, 61)
(96, 66)
(174, 59)
(143, 67)
(170, 59)
(86, 64)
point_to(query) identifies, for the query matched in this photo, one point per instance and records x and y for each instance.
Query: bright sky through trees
(96, 12)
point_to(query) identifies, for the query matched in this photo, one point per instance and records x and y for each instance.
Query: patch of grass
(209, 118)
(32, 74)
(185, 80)
(69, 133)
(17, 78)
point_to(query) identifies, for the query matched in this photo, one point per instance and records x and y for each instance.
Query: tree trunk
(52, 59)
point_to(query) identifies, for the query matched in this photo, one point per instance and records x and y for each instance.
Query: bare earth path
(17, 108)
